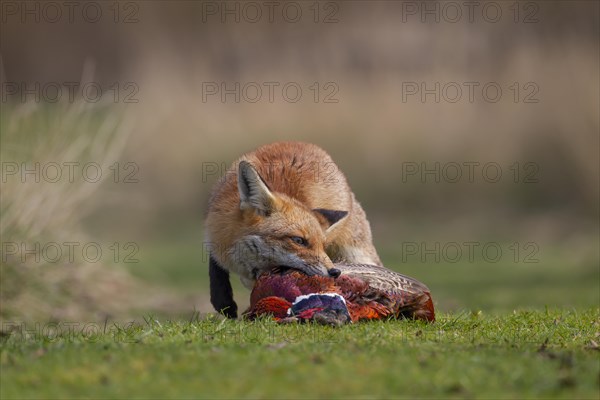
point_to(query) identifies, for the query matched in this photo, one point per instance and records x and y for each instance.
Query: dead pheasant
(361, 292)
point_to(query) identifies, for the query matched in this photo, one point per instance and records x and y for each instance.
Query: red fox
(284, 205)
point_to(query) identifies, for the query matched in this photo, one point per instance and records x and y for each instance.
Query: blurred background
(468, 133)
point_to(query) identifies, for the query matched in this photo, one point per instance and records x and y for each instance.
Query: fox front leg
(221, 293)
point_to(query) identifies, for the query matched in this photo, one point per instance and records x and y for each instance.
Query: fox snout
(321, 269)
(255, 254)
(310, 270)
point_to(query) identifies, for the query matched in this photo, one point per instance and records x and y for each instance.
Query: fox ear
(331, 216)
(254, 192)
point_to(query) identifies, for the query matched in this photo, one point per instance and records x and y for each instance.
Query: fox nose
(334, 272)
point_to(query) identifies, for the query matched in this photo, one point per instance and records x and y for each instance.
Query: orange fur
(299, 178)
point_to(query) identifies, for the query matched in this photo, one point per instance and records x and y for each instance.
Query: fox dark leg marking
(221, 293)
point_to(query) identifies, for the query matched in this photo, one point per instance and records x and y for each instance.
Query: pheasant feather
(361, 292)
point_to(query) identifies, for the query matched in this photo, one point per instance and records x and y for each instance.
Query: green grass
(522, 354)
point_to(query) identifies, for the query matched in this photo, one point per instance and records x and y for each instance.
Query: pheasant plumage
(361, 292)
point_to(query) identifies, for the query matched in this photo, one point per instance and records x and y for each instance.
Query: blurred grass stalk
(33, 138)
(35, 210)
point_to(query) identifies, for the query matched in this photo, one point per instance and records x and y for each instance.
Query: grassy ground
(525, 354)
(497, 353)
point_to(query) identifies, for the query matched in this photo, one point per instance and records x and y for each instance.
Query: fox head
(280, 231)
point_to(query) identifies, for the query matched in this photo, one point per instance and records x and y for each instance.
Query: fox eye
(299, 240)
